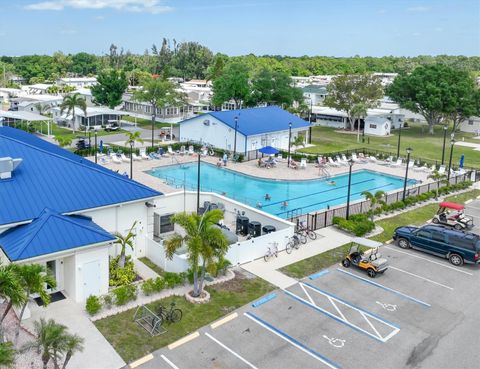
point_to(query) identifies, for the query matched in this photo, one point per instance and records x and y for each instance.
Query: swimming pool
(304, 195)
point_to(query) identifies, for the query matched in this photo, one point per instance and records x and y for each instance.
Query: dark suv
(457, 246)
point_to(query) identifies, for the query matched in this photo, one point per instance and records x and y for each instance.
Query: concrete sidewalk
(328, 238)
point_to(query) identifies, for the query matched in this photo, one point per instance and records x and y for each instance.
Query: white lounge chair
(362, 157)
(303, 163)
(170, 150)
(104, 159)
(373, 159)
(144, 156)
(388, 161)
(115, 159)
(332, 163)
(344, 158)
(190, 150)
(341, 161)
(135, 157)
(411, 164)
(182, 150)
(397, 164)
(124, 158)
(442, 170)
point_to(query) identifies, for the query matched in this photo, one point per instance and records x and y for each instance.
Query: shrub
(93, 305)
(222, 266)
(173, 279)
(151, 286)
(108, 301)
(358, 224)
(125, 294)
(121, 276)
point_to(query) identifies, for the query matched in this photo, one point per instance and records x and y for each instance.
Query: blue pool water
(305, 195)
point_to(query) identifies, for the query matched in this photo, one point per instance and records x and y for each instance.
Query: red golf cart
(452, 215)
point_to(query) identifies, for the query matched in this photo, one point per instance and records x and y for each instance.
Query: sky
(239, 27)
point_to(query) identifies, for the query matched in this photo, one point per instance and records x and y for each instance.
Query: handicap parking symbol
(335, 342)
(388, 307)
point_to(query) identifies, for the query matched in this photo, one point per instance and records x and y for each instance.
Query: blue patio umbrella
(269, 150)
(462, 159)
(101, 146)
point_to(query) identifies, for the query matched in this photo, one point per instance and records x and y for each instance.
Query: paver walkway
(328, 238)
(475, 146)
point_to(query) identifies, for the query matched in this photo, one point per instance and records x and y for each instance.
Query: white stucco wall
(471, 125)
(99, 254)
(215, 133)
(377, 126)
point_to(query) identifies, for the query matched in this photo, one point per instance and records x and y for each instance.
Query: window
(424, 234)
(470, 122)
(462, 242)
(437, 236)
(373, 126)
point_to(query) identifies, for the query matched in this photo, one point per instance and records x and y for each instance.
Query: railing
(322, 219)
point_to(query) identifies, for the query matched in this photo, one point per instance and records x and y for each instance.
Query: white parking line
(430, 261)
(231, 351)
(169, 362)
(420, 277)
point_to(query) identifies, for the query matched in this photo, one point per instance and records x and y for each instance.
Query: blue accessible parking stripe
(318, 275)
(264, 300)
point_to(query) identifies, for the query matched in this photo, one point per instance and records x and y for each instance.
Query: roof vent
(7, 166)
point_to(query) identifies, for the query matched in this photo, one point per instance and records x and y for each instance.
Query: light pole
(153, 124)
(310, 121)
(198, 185)
(452, 142)
(399, 137)
(131, 158)
(235, 139)
(289, 142)
(409, 151)
(445, 128)
(95, 147)
(350, 164)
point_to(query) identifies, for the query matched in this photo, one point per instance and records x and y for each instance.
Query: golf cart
(452, 215)
(370, 260)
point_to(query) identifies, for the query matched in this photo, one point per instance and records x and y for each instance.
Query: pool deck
(281, 171)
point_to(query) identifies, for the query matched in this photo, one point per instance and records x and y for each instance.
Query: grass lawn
(145, 123)
(132, 342)
(60, 131)
(424, 146)
(152, 265)
(417, 216)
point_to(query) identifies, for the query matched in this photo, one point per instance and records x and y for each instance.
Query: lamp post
(95, 147)
(310, 121)
(409, 151)
(445, 128)
(153, 125)
(198, 185)
(235, 138)
(399, 137)
(289, 142)
(131, 142)
(452, 142)
(350, 164)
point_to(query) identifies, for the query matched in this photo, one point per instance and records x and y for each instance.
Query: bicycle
(293, 242)
(307, 232)
(271, 252)
(172, 316)
(301, 236)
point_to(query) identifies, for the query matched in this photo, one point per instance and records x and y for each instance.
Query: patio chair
(170, 150)
(418, 168)
(397, 164)
(182, 150)
(190, 150)
(363, 158)
(388, 161)
(332, 163)
(115, 158)
(442, 170)
(144, 156)
(104, 159)
(135, 157)
(341, 161)
(303, 163)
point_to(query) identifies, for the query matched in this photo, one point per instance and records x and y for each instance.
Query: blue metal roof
(52, 177)
(50, 233)
(256, 121)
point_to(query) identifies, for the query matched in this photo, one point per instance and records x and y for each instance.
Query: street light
(289, 141)
(95, 147)
(445, 128)
(399, 137)
(350, 164)
(409, 151)
(131, 142)
(153, 125)
(235, 139)
(198, 185)
(452, 142)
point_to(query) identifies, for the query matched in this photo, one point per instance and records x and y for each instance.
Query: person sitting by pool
(293, 164)
(259, 205)
(267, 197)
(271, 161)
(219, 163)
(284, 204)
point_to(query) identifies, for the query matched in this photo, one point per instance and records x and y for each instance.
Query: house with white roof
(61, 210)
(77, 82)
(95, 117)
(251, 128)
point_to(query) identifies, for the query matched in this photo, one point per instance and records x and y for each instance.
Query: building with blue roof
(244, 130)
(62, 210)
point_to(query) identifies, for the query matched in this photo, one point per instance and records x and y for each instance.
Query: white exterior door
(91, 278)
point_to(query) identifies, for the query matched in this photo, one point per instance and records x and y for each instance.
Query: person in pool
(267, 197)
(284, 204)
(332, 183)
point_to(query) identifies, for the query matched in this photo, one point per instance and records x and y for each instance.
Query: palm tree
(160, 93)
(439, 178)
(375, 199)
(71, 102)
(203, 240)
(125, 241)
(132, 137)
(10, 289)
(42, 109)
(7, 354)
(33, 278)
(73, 343)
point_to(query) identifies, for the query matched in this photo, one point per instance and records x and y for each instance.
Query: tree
(7, 354)
(42, 108)
(375, 199)
(84, 64)
(69, 104)
(33, 278)
(192, 59)
(354, 94)
(111, 84)
(273, 87)
(63, 140)
(216, 69)
(438, 177)
(11, 290)
(205, 243)
(133, 137)
(231, 85)
(125, 241)
(160, 93)
(436, 92)
(54, 343)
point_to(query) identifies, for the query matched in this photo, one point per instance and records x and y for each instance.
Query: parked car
(112, 126)
(452, 215)
(457, 246)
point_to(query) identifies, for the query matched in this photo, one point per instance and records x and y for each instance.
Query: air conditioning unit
(206, 122)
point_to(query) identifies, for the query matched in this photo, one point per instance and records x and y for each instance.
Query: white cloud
(137, 6)
(418, 9)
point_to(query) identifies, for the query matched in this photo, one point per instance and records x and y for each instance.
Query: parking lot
(421, 313)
